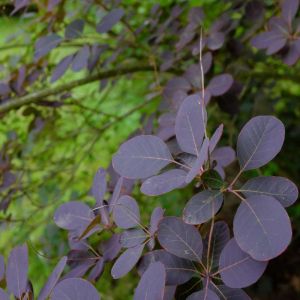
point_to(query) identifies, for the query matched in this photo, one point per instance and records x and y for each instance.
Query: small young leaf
(189, 125)
(262, 227)
(282, 189)
(201, 159)
(116, 194)
(53, 279)
(99, 186)
(259, 141)
(97, 270)
(202, 207)
(152, 283)
(16, 271)
(215, 138)
(111, 247)
(75, 289)
(212, 179)
(180, 239)
(141, 157)
(164, 182)
(126, 213)
(126, 261)
(237, 268)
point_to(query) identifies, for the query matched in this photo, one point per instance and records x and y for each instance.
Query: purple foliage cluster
(168, 251)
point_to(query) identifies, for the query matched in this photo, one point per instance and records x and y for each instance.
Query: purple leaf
(215, 138)
(204, 295)
(237, 268)
(2, 267)
(132, 237)
(19, 4)
(142, 157)
(3, 295)
(202, 158)
(293, 54)
(16, 271)
(259, 142)
(178, 270)
(126, 213)
(99, 186)
(110, 20)
(45, 44)
(152, 283)
(189, 126)
(75, 289)
(289, 9)
(180, 239)
(231, 294)
(73, 215)
(81, 58)
(220, 237)
(220, 84)
(116, 194)
(164, 183)
(126, 261)
(215, 40)
(156, 216)
(262, 227)
(53, 279)
(224, 156)
(74, 29)
(111, 247)
(62, 67)
(202, 207)
(97, 270)
(282, 189)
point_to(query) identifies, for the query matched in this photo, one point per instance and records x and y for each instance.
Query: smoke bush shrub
(169, 251)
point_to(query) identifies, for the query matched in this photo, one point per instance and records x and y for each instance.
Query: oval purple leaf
(215, 138)
(282, 189)
(189, 125)
(73, 215)
(99, 186)
(116, 194)
(75, 289)
(81, 58)
(164, 182)
(230, 293)
(180, 239)
(259, 142)
(262, 227)
(141, 157)
(224, 156)
(16, 271)
(53, 279)
(220, 84)
(237, 268)
(152, 283)
(126, 213)
(202, 207)
(126, 261)
(45, 44)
